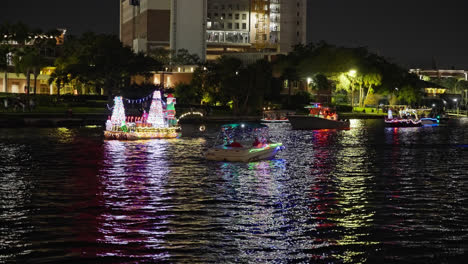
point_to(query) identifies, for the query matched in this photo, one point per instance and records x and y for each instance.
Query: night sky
(409, 32)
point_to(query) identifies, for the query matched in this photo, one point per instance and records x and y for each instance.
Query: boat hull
(403, 123)
(428, 121)
(223, 153)
(314, 123)
(274, 120)
(118, 135)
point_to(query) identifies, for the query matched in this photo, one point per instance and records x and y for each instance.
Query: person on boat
(335, 116)
(257, 143)
(144, 117)
(235, 144)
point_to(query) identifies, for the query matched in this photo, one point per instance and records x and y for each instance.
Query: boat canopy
(243, 132)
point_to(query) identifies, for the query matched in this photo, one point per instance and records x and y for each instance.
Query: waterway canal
(368, 194)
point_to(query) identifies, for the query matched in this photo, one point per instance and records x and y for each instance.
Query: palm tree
(38, 63)
(24, 63)
(60, 76)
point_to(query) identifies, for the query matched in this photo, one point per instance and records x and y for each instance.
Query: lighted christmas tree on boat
(157, 124)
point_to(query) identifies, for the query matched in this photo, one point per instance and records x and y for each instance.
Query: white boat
(319, 118)
(243, 143)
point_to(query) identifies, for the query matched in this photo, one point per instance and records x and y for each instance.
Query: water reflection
(260, 228)
(340, 204)
(368, 194)
(133, 179)
(15, 195)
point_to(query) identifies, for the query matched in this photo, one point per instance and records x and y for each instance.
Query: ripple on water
(368, 194)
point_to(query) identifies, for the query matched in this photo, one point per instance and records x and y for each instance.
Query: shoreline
(18, 120)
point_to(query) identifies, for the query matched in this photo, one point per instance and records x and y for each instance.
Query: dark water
(368, 194)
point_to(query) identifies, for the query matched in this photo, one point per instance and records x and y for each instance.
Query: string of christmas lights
(156, 114)
(118, 113)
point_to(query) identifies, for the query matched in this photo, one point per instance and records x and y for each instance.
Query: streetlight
(456, 104)
(352, 73)
(309, 81)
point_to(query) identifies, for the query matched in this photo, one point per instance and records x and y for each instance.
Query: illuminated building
(174, 24)
(13, 82)
(210, 28)
(16, 83)
(459, 74)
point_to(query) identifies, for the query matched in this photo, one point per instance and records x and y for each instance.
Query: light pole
(455, 100)
(309, 81)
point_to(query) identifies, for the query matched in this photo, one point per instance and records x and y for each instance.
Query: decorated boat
(276, 116)
(411, 118)
(158, 123)
(244, 142)
(319, 118)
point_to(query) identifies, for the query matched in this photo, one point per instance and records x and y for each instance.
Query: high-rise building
(214, 27)
(145, 24)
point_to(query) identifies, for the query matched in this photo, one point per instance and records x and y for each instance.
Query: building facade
(145, 24)
(459, 74)
(214, 27)
(13, 82)
(262, 25)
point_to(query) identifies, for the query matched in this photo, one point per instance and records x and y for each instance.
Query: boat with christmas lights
(243, 142)
(411, 118)
(158, 123)
(319, 118)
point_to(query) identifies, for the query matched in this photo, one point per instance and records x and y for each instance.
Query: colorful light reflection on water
(367, 194)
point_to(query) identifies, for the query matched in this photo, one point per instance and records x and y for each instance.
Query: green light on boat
(267, 147)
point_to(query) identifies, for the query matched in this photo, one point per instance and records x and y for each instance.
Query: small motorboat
(319, 118)
(243, 142)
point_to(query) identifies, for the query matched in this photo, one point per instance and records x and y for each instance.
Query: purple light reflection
(258, 189)
(133, 179)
